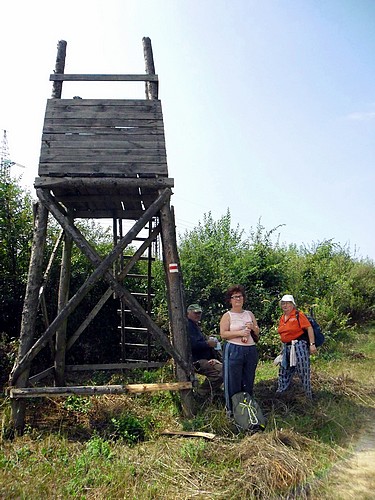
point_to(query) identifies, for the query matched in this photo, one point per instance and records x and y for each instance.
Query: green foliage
(262, 272)
(269, 345)
(100, 378)
(194, 452)
(164, 400)
(360, 304)
(7, 428)
(77, 404)
(98, 447)
(213, 256)
(325, 277)
(197, 423)
(209, 256)
(88, 469)
(149, 377)
(16, 228)
(129, 428)
(8, 350)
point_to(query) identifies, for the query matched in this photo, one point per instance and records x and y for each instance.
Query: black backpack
(247, 413)
(319, 335)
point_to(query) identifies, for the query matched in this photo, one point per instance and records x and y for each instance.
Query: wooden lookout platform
(104, 158)
(101, 158)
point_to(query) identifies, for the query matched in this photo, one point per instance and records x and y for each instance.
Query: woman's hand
(313, 349)
(245, 334)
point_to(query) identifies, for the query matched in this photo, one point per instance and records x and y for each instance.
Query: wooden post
(83, 390)
(176, 303)
(62, 301)
(152, 89)
(30, 308)
(59, 68)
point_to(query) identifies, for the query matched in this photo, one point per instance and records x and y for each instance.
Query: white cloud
(361, 116)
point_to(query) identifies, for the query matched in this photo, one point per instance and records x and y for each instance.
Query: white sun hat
(287, 298)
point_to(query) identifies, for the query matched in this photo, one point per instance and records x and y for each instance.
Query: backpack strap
(304, 335)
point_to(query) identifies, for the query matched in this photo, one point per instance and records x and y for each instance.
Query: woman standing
(239, 328)
(298, 339)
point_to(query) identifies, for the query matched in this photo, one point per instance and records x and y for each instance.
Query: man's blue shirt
(199, 347)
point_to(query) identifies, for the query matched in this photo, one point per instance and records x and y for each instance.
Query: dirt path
(355, 477)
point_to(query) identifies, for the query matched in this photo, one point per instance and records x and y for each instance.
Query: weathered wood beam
(102, 182)
(131, 365)
(205, 435)
(47, 273)
(69, 125)
(48, 270)
(176, 302)
(39, 376)
(100, 168)
(40, 392)
(46, 276)
(69, 198)
(142, 103)
(59, 68)
(103, 137)
(152, 88)
(101, 269)
(43, 308)
(63, 297)
(81, 77)
(109, 213)
(29, 311)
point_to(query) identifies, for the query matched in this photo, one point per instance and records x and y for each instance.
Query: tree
(16, 228)
(209, 256)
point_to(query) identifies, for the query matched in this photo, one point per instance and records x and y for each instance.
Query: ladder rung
(128, 360)
(133, 328)
(138, 276)
(135, 345)
(139, 294)
(139, 258)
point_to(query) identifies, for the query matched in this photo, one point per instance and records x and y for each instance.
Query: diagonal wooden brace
(101, 270)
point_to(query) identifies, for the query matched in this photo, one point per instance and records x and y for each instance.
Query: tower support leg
(30, 310)
(62, 301)
(176, 303)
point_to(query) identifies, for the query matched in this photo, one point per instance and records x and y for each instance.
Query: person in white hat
(298, 340)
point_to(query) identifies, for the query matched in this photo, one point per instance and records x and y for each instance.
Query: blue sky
(269, 106)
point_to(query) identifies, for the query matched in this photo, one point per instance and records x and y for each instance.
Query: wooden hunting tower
(102, 158)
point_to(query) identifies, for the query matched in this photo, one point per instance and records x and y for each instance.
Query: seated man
(203, 354)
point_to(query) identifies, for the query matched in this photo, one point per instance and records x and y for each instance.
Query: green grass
(113, 447)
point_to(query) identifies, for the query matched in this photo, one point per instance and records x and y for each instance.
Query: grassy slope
(72, 450)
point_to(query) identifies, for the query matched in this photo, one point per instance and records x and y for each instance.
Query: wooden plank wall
(101, 137)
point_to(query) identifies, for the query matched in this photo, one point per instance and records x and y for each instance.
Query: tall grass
(113, 447)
